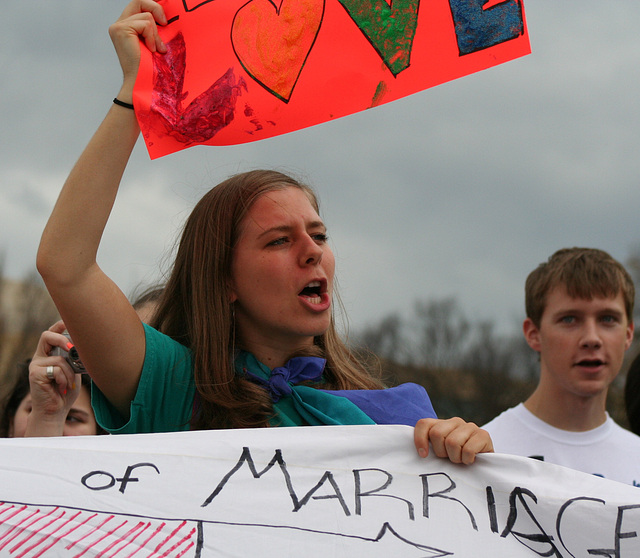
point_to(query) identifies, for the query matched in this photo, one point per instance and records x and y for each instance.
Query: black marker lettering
(426, 495)
(92, 474)
(245, 457)
(491, 505)
(328, 475)
(127, 475)
(126, 479)
(359, 494)
(619, 534)
(517, 495)
(561, 513)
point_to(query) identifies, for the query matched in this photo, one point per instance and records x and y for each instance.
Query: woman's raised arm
(104, 327)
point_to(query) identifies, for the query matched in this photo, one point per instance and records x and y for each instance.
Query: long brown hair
(195, 308)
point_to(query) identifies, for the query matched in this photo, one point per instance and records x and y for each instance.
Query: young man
(579, 308)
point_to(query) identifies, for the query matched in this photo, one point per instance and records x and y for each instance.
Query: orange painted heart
(272, 42)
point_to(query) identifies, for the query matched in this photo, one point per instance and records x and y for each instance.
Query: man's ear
(531, 334)
(630, 330)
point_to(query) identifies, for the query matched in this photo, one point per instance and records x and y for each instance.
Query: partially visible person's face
(581, 342)
(80, 419)
(282, 272)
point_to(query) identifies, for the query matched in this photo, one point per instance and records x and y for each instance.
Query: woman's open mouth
(315, 295)
(312, 292)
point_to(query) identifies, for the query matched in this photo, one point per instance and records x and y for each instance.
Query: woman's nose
(310, 253)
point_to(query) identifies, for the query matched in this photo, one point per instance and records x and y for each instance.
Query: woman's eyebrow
(288, 228)
(278, 228)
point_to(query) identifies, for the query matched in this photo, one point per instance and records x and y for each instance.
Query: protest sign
(239, 71)
(324, 491)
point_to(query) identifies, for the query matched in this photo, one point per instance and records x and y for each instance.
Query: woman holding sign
(244, 334)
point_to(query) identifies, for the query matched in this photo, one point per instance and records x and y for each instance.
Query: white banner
(328, 491)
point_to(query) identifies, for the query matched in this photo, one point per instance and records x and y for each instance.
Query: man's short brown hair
(585, 273)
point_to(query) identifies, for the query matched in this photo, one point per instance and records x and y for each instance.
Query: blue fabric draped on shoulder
(403, 404)
(297, 405)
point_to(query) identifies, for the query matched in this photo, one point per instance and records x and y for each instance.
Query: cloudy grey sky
(459, 190)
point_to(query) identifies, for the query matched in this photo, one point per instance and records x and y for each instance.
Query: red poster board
(239, 71)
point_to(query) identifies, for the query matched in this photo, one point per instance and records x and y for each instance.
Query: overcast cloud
(458, 191)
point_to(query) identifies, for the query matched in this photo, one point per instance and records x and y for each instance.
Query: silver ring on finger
(50, 373)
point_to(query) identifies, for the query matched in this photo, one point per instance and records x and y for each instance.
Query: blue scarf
(297, 405)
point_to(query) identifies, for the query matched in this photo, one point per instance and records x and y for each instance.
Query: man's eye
(320, 237)
(568, 319)
(609, 319)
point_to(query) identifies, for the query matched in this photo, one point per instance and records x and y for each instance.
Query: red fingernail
(69, 346)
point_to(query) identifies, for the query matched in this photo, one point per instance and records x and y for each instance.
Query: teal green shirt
(164, 400)
(165, 396)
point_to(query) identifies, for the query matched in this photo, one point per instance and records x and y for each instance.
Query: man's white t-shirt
(608, 451)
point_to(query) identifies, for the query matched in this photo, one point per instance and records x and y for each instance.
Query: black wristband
(122, 103)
